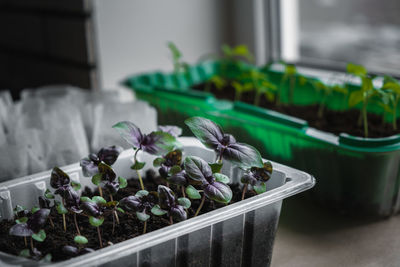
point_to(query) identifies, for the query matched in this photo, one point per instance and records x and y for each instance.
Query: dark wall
(46, 42)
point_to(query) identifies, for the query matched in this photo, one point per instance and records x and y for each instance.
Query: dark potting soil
(335, 122)
(129, 226)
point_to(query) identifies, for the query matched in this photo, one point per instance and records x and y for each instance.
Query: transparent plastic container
(241, 234)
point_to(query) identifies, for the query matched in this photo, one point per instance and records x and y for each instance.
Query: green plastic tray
(357, 175)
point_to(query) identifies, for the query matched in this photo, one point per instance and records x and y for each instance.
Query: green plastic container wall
(356, 175)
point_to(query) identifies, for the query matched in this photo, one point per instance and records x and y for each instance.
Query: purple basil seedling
(155, 143)
(225, 145)
(140, 204)
(107, 155)
(168, 204)
(32, 226)
(257, 177)
(60, 181)
(213, 184)
(74, 251)
(95, 210)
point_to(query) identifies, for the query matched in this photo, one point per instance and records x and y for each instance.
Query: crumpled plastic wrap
(58, 125)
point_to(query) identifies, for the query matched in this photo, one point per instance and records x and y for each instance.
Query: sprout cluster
(186, 179)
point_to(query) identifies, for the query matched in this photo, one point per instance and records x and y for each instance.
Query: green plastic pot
(355, 175)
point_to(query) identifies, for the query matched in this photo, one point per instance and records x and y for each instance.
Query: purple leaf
(130, 132)
(166, 197)
(158, 143)
(44, 203)
(256, 175)
(198, 169)
(38, 220)
(175, 131)
(209, 133)
(178, 213)
(89, 167)
(218, 192)
(86, 250)
(130, 203)
(173, 158)
(109, 154)
(112, 187)
(58, 178)
(107, 173)
(91, 208)
(243, 155)
(179, 178)
(21, 229)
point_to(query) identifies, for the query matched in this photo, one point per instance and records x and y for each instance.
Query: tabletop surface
(309, 235)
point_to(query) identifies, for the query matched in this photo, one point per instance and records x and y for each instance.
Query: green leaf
(290, 70)
(355, 98)
(96, 222)
(138, 165)
(61, 209)
(80, 239)
(48, 194)
(158, 161)
(156, 210)
(192, 192)
(215, 167)
(356, 70)
(260, 188)
(40, 236)
(141, 193)
(34, 209)
(142, 216)
(21, 220)
(86, 199)
(24, 253)
(122, 182)
(99, 200)
(174, 170)
(76, 186)
(219, 177)
(120, 210)
(185, 202)
(96, 179)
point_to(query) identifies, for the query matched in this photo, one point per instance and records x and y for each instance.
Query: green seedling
(179, 65)
(326, 91)
(390, 98)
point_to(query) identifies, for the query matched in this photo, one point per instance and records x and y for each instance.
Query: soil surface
(129, 226)
(335, 122)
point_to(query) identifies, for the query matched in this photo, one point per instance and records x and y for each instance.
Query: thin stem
(170, 220)
(111, 198)
(116, 216)
(76, 224)
(64, 223)
(291, 92)
(25, 241)
(51, 222)
(144, 227)
(137, 171)
(31, 243)
(201, 205)
(183, 191)
(101, 191)
(99, 235)
(365, 119)
(244, 191)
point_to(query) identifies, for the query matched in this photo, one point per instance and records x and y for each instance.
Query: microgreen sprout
(218, 81)
(32, 226)
(213, 185)
(363, 95)
(179, 65)
(326, 91)
(257, 177)
(390, 98)
(141, 204)
(168, 204)
(60, 181)
(94, 209)
(155, 143)
(225, 145)
(107, 155)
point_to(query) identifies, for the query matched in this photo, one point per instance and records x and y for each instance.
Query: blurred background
(90, 46)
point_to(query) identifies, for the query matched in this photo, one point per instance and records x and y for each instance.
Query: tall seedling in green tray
(390, 98)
